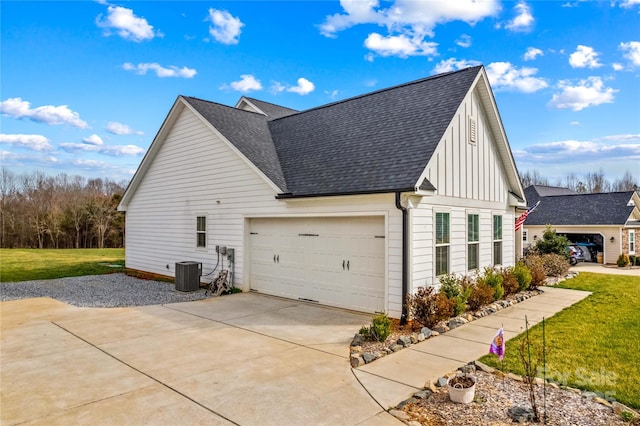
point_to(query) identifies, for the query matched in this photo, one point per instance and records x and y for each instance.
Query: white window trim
(436, 244)
(525, 235)
(494, 240)
(476, 243)
(205, 232)
(632, 241)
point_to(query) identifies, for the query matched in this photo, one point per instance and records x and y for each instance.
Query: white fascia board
(251, 104)
(157, 142)
(232, 147)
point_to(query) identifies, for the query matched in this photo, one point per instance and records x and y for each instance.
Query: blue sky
(85, 86)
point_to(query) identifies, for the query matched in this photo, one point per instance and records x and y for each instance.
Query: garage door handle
(343, 265)
(278, 257)
(347, 265)
(274, 258)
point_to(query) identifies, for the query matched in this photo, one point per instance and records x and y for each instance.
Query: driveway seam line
(382, 377)
(145, 374)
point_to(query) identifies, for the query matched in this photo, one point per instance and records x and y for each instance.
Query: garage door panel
(335, 261)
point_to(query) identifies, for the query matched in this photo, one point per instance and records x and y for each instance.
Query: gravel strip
(100, 291)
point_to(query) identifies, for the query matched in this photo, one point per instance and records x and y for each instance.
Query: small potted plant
(462, 388)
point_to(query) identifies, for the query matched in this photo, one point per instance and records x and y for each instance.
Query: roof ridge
(386, 89)
(220, 104)
(270, 103)
(588, 193)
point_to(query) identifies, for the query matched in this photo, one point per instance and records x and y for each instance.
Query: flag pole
(544, 374)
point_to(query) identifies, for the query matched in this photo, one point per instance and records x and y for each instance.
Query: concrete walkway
(606, 269)
(394, 378)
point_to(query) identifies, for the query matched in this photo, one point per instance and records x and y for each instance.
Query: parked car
(575, 255)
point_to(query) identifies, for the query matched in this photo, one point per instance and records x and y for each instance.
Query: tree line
(591, 182)
(62, 211)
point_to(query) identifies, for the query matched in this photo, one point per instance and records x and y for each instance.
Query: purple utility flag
(497, 344)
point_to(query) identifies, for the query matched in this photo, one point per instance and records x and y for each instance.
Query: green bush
(481, 295)
(493, 278)
(555, 265)
(379, 329)
(523, 275)
(428, 307)
(623, 260)
(552, 243)
(452, 287)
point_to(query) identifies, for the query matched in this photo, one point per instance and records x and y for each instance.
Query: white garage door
(333, 261)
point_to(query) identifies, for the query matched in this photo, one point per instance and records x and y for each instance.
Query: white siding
(469, 178)
(195, 173)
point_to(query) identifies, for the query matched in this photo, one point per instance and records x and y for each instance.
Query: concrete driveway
(244, 359)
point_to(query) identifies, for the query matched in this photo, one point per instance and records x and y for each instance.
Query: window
(497, 240)
(525, 235)
(632, 241)
(442, 243)
(473, 241)
(201, 231)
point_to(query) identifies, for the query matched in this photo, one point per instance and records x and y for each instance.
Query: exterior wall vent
(473, 130)
(188, 276)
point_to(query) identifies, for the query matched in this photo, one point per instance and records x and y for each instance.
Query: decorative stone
(431, 386)
(404, 341)
(421, 337)
(456, 322)
(368, 357)
(356, 348)
(423, 394)
(378, 354)
(521, 414)
(426, 331)
(434, 334)
(414, 423)
(469, 317)
(621, 408)
(357, 340)
(396, 348)
(405, 402)
(414, 338)
(484, 367)
(442, 381)
(602, 401)
(357, 361)
(468, 369)
(441, 328)
(512, 376)
(399, 414)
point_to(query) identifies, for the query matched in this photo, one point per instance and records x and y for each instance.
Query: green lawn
(35, 264)
(595, 344)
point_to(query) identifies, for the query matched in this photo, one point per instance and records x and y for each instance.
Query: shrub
(523, 275)
(380, 327)
(552, 243)
(481, 295)
(452, 287)
(428, 307)
(555, 265)
(623, 260)
(536, 268)
(509, 281)
(493, 278)
(632, 260)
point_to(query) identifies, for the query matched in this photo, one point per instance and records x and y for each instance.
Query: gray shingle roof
(609, 208)
(534, 192)
(247, 131)
(377, 142)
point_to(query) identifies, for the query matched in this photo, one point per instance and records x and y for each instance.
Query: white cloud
(504, 75)
(584, 57)
(408, 22)
(331, 94)
(523, 21)
(625, 137)
(586, 93)
(32, 142)
(532, 53)
(464, 41)
(226, 28)
(162, 72)
(453, 65)
(576, 123)
(304, 87)
(400, 45)
(632, 51)
(121, 129)
(49, 114)
(574, 151)
(629, 3)
(126, 24)
(617, 66)
(246, 84)
(93, 140)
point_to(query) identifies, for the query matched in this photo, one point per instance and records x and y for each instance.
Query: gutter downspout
(405, 258)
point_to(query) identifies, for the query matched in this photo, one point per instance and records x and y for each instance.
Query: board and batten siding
(469, 179)
(196, 173)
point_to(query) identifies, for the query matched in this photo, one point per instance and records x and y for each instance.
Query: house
(607, 223)
(354, 204)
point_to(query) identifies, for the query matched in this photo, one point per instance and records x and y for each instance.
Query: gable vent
(473, 130)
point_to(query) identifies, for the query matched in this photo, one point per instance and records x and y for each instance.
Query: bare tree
(533, 178)
(627, 183)
(596, 182)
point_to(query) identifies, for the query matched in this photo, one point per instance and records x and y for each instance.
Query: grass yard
(595, 344)
(36, 264)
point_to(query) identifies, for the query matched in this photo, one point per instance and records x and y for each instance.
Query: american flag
(520, 220)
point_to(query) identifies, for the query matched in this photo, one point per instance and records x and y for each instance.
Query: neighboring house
(607, 223)
(353, 204)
